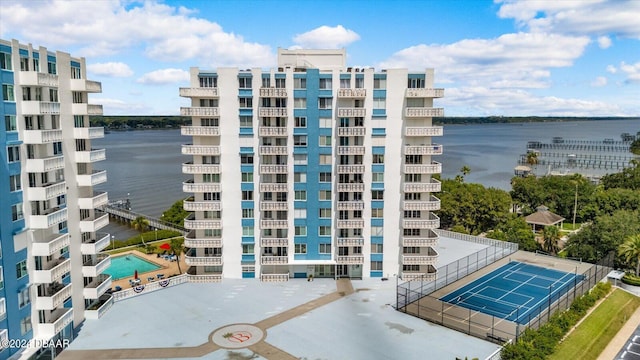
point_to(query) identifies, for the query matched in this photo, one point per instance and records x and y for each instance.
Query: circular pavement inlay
(237, 336)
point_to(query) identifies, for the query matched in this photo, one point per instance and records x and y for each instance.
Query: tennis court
(515, 291)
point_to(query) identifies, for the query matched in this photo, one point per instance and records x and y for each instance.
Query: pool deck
(167, 268)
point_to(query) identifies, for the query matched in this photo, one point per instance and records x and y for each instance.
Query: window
(377, 248)
(246, 121)
(377, 177)
(210, 122)
(300, 248)
(247, 195)
(378, 158)
(16, 212)
(10, 123)
(415, 83)
(51, 68)
(246, 159)
(325, 177)
(281, 83)
(214, 233)
(324, 231)
(359, 83)
(247, 248)
(247, 231)
(247, 177)
(300, 177)
(300, 213)
(326, 160)
(76, 73)
(300, 122)
(245, 102)
(266, 82)
(300, 231)
(377, 213)
(299, 83)
(379, 83)
(324, 195)
(36, 64)
(324, 248)
(377, 194)
(244, 82)
(299, 103)
(379, 103)
(7, 93)
(376, 266)
(325, 140)
(53, 95)
(208, 81)
(25, 325)
(324, 212)
(345, 83)
(300, 140)
(326, 123)
(300, 159)
(411, 250)
(211, 178)
(2, 307)
(412, 177)
(24, 63)
(5, 61)
(325, 83)
(21, 269)
(324, 103)
(301, 195)
(14, 183)
(247, 213)
(377, 231)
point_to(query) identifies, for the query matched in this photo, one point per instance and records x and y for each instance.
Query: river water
(145, 165)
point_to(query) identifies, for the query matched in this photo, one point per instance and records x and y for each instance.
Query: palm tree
(176, 248)
(465, 170)
(141, 224)
(532, 158)
(630, 250)
(550, 235)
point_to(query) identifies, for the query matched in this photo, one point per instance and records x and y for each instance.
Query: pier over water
(121, 209)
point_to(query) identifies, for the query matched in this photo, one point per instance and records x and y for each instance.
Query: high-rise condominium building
(311, 168)
(50, 268)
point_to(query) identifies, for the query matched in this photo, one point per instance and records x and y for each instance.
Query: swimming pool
(126, 265)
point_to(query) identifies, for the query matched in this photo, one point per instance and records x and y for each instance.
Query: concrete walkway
(616, 344)
(233, 339)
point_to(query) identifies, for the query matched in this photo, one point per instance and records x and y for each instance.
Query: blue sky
(503, 57)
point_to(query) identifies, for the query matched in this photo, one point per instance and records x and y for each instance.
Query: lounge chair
(160, 276)
(150, 278)
(118, 288)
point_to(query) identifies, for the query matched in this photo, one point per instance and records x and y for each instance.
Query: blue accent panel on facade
(379, 93)
(376, 274)
(324, 168)
(379, 113)
(246, 168)
(300, 150)
(9, 107)
(23, 52)
(246, 131)
(299, 94)
(299, 186)
(377, 204)
(248, 257)
(377, 186)
(325, 113)
(324, 222)
(325, 186)
(345, 76)
(378, 132)
(326, 132)
(377, 240)
(75, 64)
(300, 222)
(248, 240)
(245, 93)
(325, 150)
(12, 138)
(68, 304)
(321, 93)
(36, 55)
(248, 275)
(5, 49)
(300, 168)
(245, 112)
(300, 204)
(377, 150)
(377, 222)
(324, 203)
(248, 222)
(416, 76)
(300, 112)
(280, 76)
(377, 168)
(246, 204)
(246, 150)
(376, 257)
(51, 58)
(246, 186)
(379, 76)
(299, 131)
(298, 275)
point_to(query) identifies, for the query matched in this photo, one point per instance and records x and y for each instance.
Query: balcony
(97, 287)
(274, 205)
(350, 224)
(432, 204)
(350, 205)
(190, 149)
(274, 260)
(191, 241)
(91, 156)
(349, 259)
(86, 85)
(273, 169)
(272, 111)
(33, 78)
(48, 218)
(429, 258)
(351, 150)
(95, 178)
(45, 165)
(434, 168)
(430, 240)
(95, 246)
(352, 187)
(57, 320)
(191, 259)
(190, 187)
(273, 187)
(424, 93)
(424, 131)
(433, 149)
(432, 223)
(352, 131)
(199, 92)
(274, 277)
(42, 136)
(271, 92)
(432, 186)
(350, 242)
(273, 150)
(423, 112)
(99, 308)
(49, 245)
(40, 108)
(351, 112)
(47, 191)
(350, 169)
(272, 131)
(53, 296)
(274, 242)
(191, 168)
(420, 276)
(200, 131)
(352, 93)
(191, 205)
(274, 224)
(204, 278)
(88, 133)
(96, 266)
(52, 271)
(192, 224)
(86, 109)
(95, 222)
(199, 111)
(98, 199)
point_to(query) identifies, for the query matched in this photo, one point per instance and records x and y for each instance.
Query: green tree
(514, 229)
(630, 251)
(176, 213)
(551, 236)
(141, 224)
(629, 178)
(635, 146)
(176, 248)
(532, 158)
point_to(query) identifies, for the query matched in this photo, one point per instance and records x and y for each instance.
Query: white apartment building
(311, 168)
(49, 219)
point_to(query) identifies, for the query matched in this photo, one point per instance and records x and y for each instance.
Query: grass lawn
(589, 339)
(569, 226)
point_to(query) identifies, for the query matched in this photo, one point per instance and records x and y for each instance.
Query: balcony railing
(93, 247)
(350, 224)
(208, 278)
(191, 168)
(54, 295)
(200, 131)
(274, 260)
(98, 199)
(40, 108)
(272, 131)
(273, 187)
(353, 187)
(199, 111)
(192, 224)
(273, 150)
(272, 111)
(57, 321)
(419, 259)
(418, 276)
(192, 260)
(274, 205)
(350, 259)
(274, 277)
(42, 136)
(97, 287)
(52, 271)
(86, 85)
(351, 150)
(46, 164)
(199, 92)
(190, 149)
(273, 169)
(352, 131)
(192, 242)
(433, 149)
(430, 240)
(432, 204)
(414, 112)
(47, 191)
(434, 168)
(350, 169)
(191, 205)
(88, 133)
(49, 218)
(424, 131)
(96, 266)
(424, 93)
(274, 224)
(352, 93)
(350, 242)
(90, 156)
(351, 112)
(95, 222)
(350, 205)
(106, 302)
(274, 242)
(432, 223)
(49, 245)
(93, 179)
(33, 78)
(272, 92)
(432, 186)
(190, 187)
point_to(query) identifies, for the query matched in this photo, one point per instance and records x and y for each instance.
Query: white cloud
(119, 107)
(164, 76)
(632, 71)
(611, 69)
(113, 69)
(326, 37)
(604, 42)
(599, 81)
